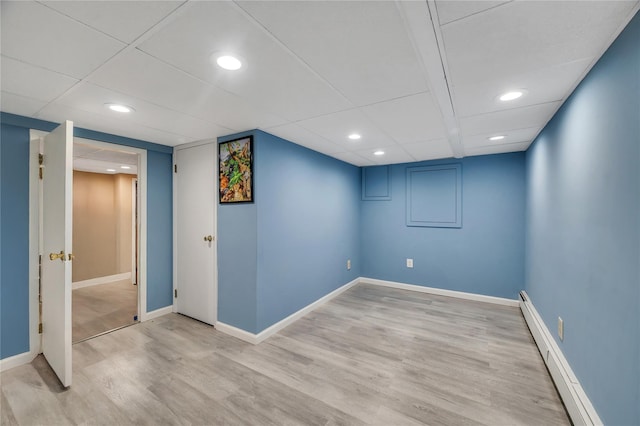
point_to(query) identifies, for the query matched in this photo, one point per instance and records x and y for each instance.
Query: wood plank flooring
(373, 355)
(103, 307)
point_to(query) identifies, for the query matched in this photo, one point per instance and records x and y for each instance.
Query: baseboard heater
(575, 399)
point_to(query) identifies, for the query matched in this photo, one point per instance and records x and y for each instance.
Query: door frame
(175, 221)
(35, 229)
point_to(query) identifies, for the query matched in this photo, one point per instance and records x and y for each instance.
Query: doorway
(104, 271)
(50, 242)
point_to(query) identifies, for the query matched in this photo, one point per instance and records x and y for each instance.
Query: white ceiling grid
(418, 80)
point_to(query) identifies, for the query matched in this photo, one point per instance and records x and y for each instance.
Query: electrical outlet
(560, 328)
(409, 263)
(348, 264)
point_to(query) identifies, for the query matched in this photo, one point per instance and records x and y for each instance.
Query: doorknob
(54, 256)
(209, 238)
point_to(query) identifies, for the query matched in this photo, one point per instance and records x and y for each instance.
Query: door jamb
(35, 242)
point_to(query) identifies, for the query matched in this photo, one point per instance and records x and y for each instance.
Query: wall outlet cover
(409, 263)
(349, 264)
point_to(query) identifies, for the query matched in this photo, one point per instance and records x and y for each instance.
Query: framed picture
(235, 183)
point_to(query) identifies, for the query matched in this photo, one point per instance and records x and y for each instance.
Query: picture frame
(235, 171)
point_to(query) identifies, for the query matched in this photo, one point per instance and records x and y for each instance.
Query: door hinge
(40, 328)
(175, 168)
(41, 163)
(175, 293)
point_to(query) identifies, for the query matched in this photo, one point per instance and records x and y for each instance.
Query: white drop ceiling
(417, 79)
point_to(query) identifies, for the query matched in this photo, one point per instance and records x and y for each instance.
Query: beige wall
(101, 224)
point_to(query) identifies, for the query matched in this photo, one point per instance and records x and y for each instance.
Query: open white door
(197, 294)
(57, 212)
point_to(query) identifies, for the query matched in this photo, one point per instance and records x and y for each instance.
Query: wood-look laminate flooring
(103, 307)
(373, 355)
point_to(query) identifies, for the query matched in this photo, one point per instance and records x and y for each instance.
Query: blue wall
(308, 226)
(484, 256)
(237, 259)
(159, 230)
(583, 233)
(14, 238)
(302, 228)
(14, 223)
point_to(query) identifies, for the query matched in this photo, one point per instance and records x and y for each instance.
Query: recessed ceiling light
(496, 138)
(111, 170)
(229, 62)
(378, 153)
(119, 107)
(125, 167)
(354, 136)
(512, 95)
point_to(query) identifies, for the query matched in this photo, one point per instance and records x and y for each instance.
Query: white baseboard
(16, 360)
(442, 292)
(101, 280)
(237, 333)
(157, 313)
(575, 399)
(266, 333)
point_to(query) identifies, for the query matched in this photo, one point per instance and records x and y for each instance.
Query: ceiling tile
(35, 34)
(363, 51)
(124, 20)
(33, 82)
(336, 128)
(449, 11)
(510, 137)
(58, 113)
(301, 136)
(503, 121)
(353, 158)
(392, 155)
(21, 105)
(542, 85)
(112, 156)
(98, 166)
(144, 77)
(526, 35)
(498, 149)
(409, 119)
(429, 150)
(81, 150)
(271, 78)
(91, 98)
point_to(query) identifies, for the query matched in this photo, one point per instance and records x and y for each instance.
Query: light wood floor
(373, 355)
(103, 307)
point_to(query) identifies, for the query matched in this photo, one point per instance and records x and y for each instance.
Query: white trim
(142, 235)
(134, 207)
(442, 292)
(35, 197)
(17, 360)
(237, 333)
(158, 313)
(268, 332)
(101, 280)
(575, 399)
(174, 183)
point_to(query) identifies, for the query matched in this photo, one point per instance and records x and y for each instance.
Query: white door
(57, 212)
(197, 290)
